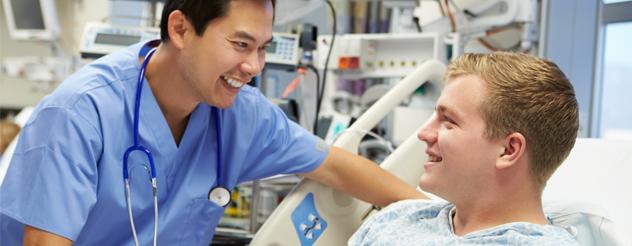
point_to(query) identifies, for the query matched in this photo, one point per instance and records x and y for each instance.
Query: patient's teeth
(434, 158)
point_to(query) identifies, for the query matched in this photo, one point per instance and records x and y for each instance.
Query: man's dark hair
(198, 12)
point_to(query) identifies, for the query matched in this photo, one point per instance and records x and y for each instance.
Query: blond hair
(528, 95)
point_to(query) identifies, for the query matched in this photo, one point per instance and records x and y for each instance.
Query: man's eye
(448, 120)
(242, 45)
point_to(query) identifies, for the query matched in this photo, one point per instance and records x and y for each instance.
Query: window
(613, 118)
(615, 1)
(616, 103)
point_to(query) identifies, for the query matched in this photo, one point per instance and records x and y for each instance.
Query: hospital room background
(326, 83)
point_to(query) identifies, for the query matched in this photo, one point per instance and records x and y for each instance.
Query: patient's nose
(428, 133)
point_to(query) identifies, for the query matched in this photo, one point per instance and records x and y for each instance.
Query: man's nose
(253, 64)
(428, 132)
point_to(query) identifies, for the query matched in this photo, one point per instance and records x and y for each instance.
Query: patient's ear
(514, 146)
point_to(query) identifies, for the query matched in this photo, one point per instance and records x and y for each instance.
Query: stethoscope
(218, 194)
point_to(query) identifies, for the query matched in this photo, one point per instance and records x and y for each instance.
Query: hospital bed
(588, 195)
(20, 119)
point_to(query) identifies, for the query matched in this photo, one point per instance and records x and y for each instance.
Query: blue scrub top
(66, 174)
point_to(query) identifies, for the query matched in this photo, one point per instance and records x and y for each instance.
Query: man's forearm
(36, 237)
(362, 179)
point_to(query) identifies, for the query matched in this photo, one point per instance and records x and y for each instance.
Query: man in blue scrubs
(65, 184)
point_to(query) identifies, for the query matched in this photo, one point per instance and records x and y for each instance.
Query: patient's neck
(496, 209)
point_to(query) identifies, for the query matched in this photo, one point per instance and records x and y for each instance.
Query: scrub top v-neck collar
(151, 116)
(198, 126)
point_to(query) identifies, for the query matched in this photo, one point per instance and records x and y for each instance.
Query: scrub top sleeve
(51, 181)
(281, 146)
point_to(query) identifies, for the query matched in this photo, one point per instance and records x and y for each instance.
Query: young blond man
(503, 124)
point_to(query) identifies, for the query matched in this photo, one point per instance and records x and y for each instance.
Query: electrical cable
(441, 8)
(315, 71)
(319, 93)
(416, 20)
(487, 45)
(456, 7)
(450, 15)
(300, 76)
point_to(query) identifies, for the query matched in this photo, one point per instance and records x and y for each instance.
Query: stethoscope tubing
(146, 152)
(137, 146)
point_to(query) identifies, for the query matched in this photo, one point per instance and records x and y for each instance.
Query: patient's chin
(426, 184)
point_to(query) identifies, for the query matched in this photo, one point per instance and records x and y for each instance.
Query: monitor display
(116, 39)
(31, 19)
(27, 14)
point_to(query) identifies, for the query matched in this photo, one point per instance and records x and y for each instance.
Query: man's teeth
(434, 159)
(233, 83)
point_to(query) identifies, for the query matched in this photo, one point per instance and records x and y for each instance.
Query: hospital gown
(427, 222)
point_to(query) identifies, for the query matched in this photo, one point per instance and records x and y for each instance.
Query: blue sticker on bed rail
(307, 221)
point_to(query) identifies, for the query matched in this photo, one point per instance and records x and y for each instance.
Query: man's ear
(177, 27)
(514, 146)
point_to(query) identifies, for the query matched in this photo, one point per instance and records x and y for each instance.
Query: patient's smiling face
(460, 158)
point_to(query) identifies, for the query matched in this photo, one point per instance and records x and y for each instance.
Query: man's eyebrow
(445, 110)
(269, 41)
(245, 35)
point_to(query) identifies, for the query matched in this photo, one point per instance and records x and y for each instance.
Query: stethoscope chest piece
(219, 195)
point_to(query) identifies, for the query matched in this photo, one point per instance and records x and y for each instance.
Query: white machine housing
(379, 55)
(99, 39)
(283, 49)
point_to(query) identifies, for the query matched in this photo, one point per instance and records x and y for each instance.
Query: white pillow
(586, 222)
(594, 185)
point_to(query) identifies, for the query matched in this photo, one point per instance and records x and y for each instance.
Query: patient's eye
(447, 121)
(450, 120)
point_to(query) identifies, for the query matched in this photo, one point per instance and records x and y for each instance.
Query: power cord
(320, 91)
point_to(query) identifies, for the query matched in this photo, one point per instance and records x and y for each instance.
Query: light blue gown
(66, 174)
(426, 222)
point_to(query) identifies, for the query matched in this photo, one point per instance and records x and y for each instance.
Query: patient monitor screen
(115, 39)
(23, 14)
